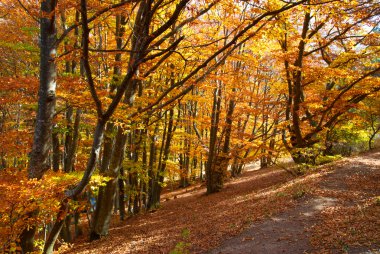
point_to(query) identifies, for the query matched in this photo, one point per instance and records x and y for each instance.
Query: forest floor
(334, 208)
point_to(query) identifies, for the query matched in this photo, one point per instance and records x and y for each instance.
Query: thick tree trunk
(219, 170)
(113, 150)
(77, 227)
(106, 195)
(153, 175)
(272, 143)
(135, 180)
(221, 161)
(227, 136)
(108, 146)
(73, 193)
(264, 156)
(370, 142)
(213, 172)
(39, 158)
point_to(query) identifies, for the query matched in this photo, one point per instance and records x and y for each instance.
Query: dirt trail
(285, 233)
(263, 211)
(290, 231)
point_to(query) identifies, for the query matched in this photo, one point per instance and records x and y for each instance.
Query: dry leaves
(197, 222)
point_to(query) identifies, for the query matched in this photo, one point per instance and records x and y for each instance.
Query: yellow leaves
(98, 180)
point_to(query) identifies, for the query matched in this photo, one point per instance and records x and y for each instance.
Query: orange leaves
(18, 90)
(15, 142)
(20, 196)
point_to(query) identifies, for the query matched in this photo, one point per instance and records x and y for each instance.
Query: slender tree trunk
(144, 164)
(66, 230)
(68, 137)
(158, 176)
(370, 141)
(71, 142)
(169, 136)
(185, 156)
(121, 194)
(153, 172)
(56, 152)
(106, 196)
(54, 233)
(264, 155)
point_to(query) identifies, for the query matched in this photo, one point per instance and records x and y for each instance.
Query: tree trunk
(66, 230)
(71, 143)
(121, 194)
(106, 195)
(53, 235)
(213, 172)
(56, 152)
(39, 158)
(68, 138)
(108, 146)
(153, 172)
(154, 196)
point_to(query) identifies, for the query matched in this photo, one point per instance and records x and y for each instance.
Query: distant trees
(369, 112)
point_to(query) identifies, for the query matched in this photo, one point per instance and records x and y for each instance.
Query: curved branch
(85, 57)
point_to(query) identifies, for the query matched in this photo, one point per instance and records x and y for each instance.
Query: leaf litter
(352, 221)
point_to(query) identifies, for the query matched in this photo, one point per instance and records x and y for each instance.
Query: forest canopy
(105, 103)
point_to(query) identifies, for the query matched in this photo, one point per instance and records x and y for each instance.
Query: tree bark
(39, 157)
(72, 137)
(56, 152)
(106, 195)
(213, 174)
(152, 171)
(54, 233)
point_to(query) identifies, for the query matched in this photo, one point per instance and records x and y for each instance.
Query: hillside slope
(334, 209)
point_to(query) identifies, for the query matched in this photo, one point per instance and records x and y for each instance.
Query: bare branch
(85, 61)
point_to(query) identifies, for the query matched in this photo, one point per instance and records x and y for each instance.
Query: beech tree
(325, 38)
(153, 93)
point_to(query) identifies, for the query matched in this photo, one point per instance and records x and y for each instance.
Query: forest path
(329, 210)
(352, 186)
